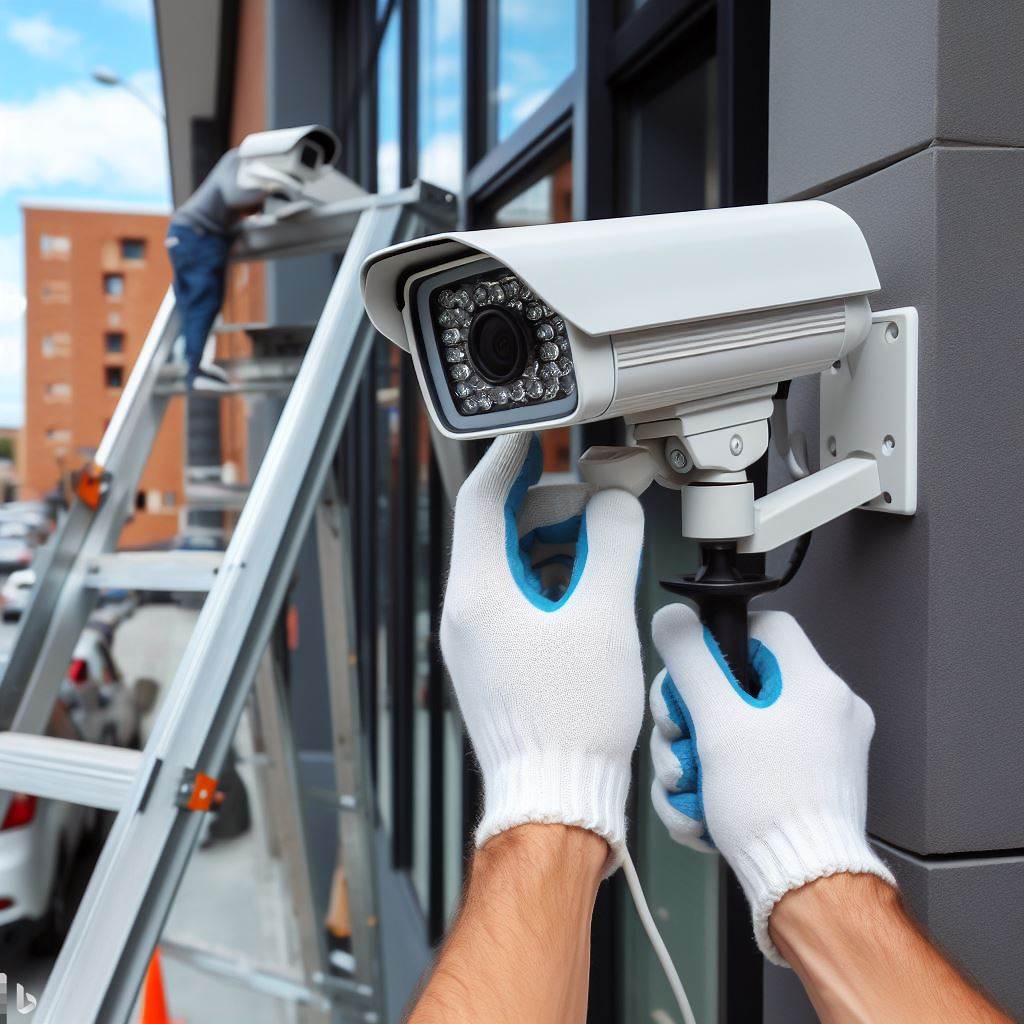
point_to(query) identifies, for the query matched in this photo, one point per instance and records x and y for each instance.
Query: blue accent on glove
(690, 799)
(518, 550)
(765, 667)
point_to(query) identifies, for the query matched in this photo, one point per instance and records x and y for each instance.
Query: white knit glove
(551, 691)
(778, 783)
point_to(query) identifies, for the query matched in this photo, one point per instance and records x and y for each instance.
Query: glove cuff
(786, 860)
(558, 787)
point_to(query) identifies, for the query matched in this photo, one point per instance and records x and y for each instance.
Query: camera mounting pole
(868, 458)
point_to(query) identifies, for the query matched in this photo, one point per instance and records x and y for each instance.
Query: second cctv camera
(286, 159)
(532, 327)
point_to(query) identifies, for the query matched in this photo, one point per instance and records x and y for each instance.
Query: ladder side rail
(101, 965)
(357, 829)
(60, 605)
(286, 807)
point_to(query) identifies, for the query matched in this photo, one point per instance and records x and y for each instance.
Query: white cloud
(441, 160)
(12, 292)
(40, 37)
(12, 332)
(84, 135)
(387, 166)
(142, 10)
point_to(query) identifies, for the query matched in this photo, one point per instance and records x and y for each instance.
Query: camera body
(287, 159)
(533, 327)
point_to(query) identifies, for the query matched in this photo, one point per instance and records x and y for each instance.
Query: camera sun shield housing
(286, 159)
(533, 327)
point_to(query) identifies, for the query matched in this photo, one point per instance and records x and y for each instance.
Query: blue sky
(62, 136)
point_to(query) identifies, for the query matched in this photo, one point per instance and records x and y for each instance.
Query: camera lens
(498, 345)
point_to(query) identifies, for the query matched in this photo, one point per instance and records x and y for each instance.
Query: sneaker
(210, 377)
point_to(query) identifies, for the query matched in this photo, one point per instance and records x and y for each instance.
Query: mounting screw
(892, 332)
(887, 497)
(736, 444)
(678, 460)
(888, 444)
(832, 446)
(837, 365)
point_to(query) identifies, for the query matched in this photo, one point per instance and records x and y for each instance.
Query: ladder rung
(154, 570)
(215, 495)
(92, 774)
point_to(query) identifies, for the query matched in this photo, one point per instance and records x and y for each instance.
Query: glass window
(54, 246)
(440, 93)
(56, 345)
(113, 376)
(133, 248)
(388, 110)
(113, 284)
(113, 342)
(535, 51)
(669, 151)
(59, 391)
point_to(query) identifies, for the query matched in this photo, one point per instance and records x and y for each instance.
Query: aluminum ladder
(159, 793)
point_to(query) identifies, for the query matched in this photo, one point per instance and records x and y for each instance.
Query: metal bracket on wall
(869, 407)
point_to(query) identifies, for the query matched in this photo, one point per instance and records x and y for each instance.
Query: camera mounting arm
(868, 449)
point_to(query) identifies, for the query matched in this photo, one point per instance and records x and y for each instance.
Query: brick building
(94, 277)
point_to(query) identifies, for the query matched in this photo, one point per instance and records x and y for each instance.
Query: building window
(668, 148)
(535, 51)
(133, 248)
(56, 291)
(113, 285)
(170, 499)
(440, 93)
(56, 346)
(54, 246)
(59, 391)
(113, 342)
(113, 376)
(58, 435)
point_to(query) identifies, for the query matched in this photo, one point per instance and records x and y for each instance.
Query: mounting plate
(869, 406)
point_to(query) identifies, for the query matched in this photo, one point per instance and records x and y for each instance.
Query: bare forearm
(520, 949)
(862, 959)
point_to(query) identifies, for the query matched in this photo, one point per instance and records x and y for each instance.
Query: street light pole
(107, 77)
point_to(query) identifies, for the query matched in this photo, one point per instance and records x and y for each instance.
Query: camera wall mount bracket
(869, 407)
(868, 415)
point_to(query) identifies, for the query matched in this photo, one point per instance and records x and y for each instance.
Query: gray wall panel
(856, 85)
(973, 909)
(922, 616)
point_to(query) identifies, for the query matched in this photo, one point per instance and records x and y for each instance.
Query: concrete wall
(910, 117)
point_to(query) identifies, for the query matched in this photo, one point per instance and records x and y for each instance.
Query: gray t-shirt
(215, 204)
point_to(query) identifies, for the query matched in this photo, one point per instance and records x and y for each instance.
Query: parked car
(15, 553)
(14, 594)
(42, 841)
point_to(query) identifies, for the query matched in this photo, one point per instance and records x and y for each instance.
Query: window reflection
(535, 51)
(668, 156)
(440, 92)
(388, 114)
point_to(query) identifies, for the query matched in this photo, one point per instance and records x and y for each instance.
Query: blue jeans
(199, 262)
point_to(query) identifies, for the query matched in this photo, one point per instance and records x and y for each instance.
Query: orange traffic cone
(154, 1003)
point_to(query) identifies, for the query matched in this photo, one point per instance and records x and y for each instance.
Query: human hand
(778, 783)
(550, 687)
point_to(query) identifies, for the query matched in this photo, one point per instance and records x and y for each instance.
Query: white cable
(657, 942)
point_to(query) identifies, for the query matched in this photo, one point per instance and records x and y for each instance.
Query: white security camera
(532, 327)
(286, 160)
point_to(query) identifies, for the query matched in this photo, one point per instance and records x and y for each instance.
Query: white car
(15, 593)
(41, 840)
